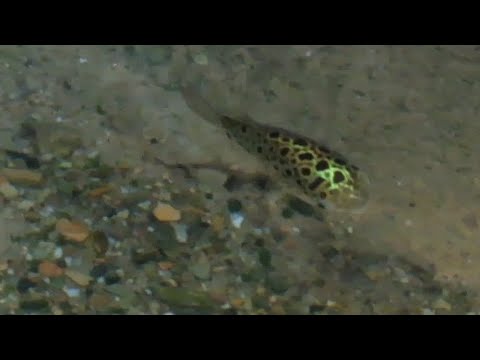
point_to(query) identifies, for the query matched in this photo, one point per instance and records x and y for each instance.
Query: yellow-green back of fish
(324, 176)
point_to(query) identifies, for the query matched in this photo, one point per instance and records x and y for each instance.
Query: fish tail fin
(200, 106)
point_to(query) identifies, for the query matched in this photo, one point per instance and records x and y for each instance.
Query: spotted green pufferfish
(325, 177)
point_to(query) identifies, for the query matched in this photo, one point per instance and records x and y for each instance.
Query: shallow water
(406, 115)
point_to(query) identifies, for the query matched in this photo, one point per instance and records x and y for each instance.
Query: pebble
(50, 269)
(218, 223)
(7, 189)
(72, 230)
(58, 253)
(68, 260)
(95, 193)
(181, 232)
(78, 278)
(166, 213)
(3, 266)
(201, 269)
(200, 59)
(22, 176)
(427, 311)
(166, 265)
(237, 219)
(43, 250)
(24, 284)
(99, 270)
(145, 205)
(441, 304)
(72, 292)
(100, 301)
(25, 205)
(65, 165)
(123, 214)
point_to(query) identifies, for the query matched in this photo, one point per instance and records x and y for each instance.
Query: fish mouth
(356, 202)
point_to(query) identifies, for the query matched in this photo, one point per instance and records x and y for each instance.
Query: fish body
(323, 175)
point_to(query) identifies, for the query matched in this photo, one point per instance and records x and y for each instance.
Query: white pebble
(237, 219)
(25, 205)
(46, 211)
(65, 165)
(82, 60)
(47, 157)
(58, 253)
(68, 260)
(123, 214)
(72, 292)
(226, 306)
(331, 303)
(111, 241)
(181, 232)
(428, 312)
(150, 229)
(58, 119)
(29, 257)
(145, 205)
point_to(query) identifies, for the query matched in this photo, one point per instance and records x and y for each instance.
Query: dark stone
(99, 270)
(234, 205)
(24, 284)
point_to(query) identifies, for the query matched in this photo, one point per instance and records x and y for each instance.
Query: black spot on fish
(340, 161)
(323, 195)
(300, 142)
(275, 167)
(299, 182)
(306, 171)
(305, 156)
(285, 139)
(229, 135)
(338, 177)
(316, 183)
(284, 151)
(244, 129)
(288, 172)
(322, 165)
(259, 149)
(274, 134)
